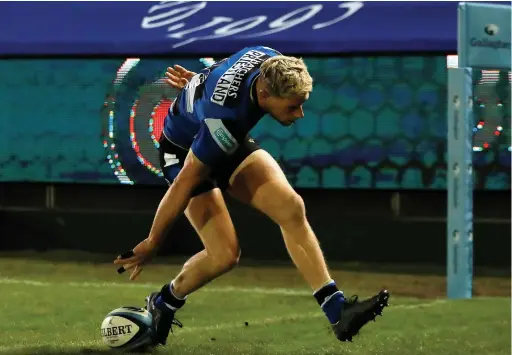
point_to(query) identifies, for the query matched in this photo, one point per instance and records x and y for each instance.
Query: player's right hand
(178, 77)
(137, 257)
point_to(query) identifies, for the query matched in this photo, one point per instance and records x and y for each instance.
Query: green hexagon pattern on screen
(333, 177)
(321, 99)
(387, 178)
(333, 125)
(295, 150)
(310, 127)
(387, 123)
(347, 97)
(371, 122)
(320, 153)
(373, 97)
(361, 124)
(308, 177)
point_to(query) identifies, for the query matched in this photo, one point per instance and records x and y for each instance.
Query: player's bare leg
(260, 182)
(210, 218)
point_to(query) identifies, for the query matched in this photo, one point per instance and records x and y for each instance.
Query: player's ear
(264, 93)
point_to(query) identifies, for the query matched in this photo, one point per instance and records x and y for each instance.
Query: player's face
(286, 110)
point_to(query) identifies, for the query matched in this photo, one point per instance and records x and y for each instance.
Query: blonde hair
(287, 76)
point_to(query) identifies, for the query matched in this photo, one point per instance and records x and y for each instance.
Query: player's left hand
(178, 77)
(136, 258)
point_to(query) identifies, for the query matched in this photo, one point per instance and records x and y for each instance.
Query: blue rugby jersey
(215, 110)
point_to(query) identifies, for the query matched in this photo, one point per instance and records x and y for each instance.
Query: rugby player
(205, 149)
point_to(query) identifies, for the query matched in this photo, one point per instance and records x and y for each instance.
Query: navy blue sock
(331, 300)
(168, 300)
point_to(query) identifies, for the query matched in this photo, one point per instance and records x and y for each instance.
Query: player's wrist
(154, 239)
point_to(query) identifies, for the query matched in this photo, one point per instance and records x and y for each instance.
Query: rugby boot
(163, 318)
(355, 314)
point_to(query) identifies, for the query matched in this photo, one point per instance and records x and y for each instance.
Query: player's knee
(297, 208)
(228, 259)
(291, 210)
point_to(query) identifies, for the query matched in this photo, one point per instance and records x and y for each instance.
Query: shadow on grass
(81, 351)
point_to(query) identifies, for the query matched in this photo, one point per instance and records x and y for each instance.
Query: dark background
(352, 225)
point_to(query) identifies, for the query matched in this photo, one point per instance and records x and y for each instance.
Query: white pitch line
(297, 316)
(225, 326)
(5, 280)
(225, 289)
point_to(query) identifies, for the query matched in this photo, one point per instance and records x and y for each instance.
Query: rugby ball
(127, 328)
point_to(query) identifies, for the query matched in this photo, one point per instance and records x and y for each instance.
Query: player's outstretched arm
(176, 199)
(172, 205)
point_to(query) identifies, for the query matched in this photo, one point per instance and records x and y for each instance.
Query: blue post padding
(484, 43)
(460, 183)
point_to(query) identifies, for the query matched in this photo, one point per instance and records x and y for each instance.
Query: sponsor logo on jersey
(226, 92)
(221, 135)
(224, 139)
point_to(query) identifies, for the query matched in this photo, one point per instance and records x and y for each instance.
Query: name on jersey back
(225, 92)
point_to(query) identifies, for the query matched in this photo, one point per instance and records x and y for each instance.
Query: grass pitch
(51, 305)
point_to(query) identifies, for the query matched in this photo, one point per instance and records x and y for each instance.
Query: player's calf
(204, 267)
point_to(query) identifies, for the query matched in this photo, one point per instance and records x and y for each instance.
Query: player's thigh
(260, 182)
(206, 210)
(172, 157)
(208, 214)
